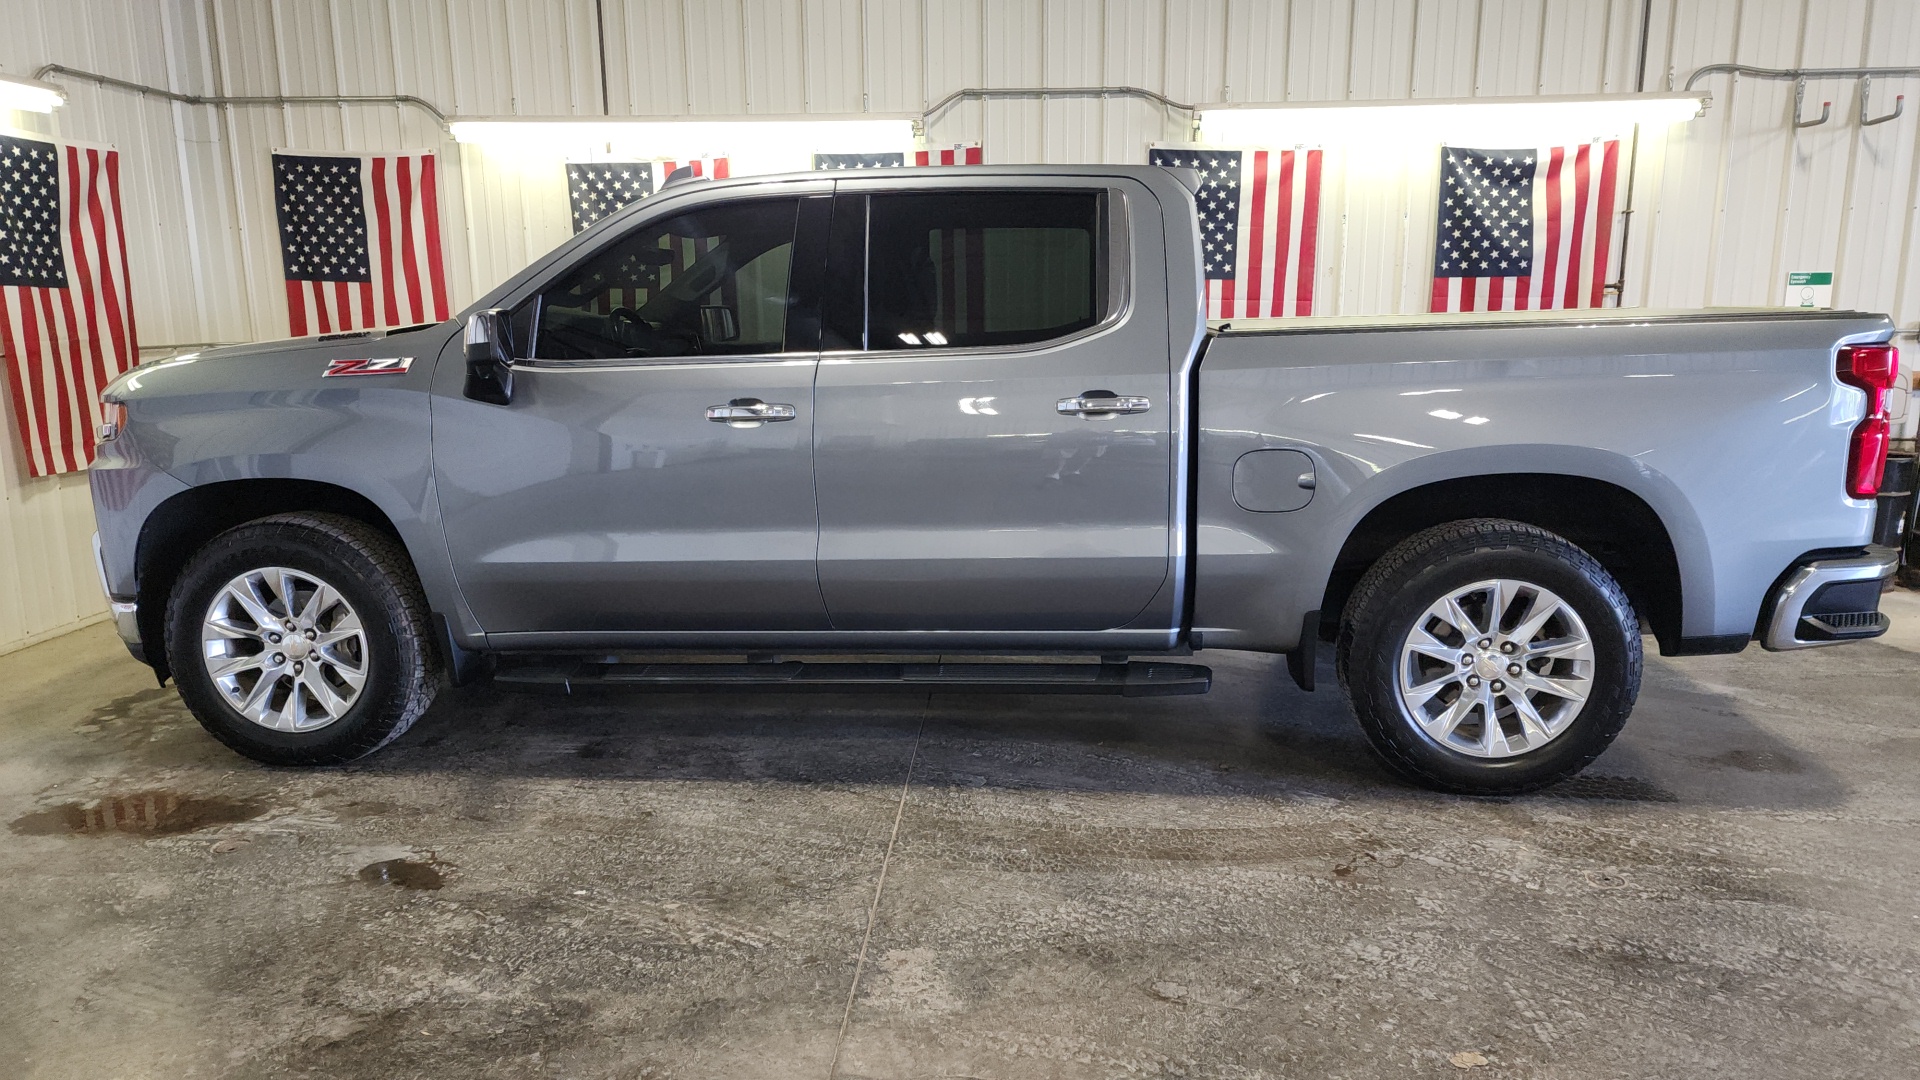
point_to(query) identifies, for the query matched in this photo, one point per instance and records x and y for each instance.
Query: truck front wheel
(1488, 657)
(302, 639)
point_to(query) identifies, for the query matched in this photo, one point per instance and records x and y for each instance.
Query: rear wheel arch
(1619, 528)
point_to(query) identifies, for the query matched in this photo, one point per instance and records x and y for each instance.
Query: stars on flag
(323, 218)
(1219, 200)
(1486, 213)
(834, 162)
(596, 189)
(30, 250)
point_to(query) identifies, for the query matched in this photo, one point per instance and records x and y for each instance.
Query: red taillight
(1872, 368)
(1867, 457)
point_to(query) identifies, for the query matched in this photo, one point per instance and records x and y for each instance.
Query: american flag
(634, 280)
(833, 162)
(360, 240)
(1524, 229)
(66, 316)
(1259, 227)
(598, 188)
(957, 154)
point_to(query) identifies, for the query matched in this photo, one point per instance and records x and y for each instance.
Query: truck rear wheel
(302, 639)
(1488, 657)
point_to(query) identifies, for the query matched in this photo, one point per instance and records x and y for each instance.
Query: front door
(654, 470)
(993, 446)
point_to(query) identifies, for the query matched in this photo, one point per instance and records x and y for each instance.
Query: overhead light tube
(758, 144)
(1457, 121)
(30, 95)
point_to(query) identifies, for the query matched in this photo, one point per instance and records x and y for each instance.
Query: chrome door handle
(750, 413)
(1097, 404)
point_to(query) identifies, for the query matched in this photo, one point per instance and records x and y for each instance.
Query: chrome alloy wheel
(285, 648)
(1496, 669)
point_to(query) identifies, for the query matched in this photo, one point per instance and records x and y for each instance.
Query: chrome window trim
(641, 363)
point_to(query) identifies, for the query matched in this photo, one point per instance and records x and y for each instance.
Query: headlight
(113, 417)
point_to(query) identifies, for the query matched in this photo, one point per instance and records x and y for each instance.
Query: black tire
(372, 573)
(1427, 567)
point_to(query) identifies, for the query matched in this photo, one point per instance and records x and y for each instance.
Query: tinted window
(710, 282)
(982, 268)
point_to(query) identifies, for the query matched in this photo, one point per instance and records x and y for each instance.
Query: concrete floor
(753, 886)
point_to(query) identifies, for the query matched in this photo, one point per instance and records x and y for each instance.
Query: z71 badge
(386, 365)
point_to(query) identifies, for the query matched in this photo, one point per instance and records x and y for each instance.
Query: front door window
(714, 282)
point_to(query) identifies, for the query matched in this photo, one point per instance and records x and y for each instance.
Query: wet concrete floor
(906, 886)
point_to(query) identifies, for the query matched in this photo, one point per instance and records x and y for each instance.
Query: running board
(1137, 678)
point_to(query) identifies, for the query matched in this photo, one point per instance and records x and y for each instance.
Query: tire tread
(1374, 697)
(402, 602)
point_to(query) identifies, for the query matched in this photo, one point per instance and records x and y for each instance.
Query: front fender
(274, 416)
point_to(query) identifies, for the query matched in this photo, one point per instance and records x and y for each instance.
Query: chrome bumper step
(1842, 626)
(1830, 601)
(1137, 678)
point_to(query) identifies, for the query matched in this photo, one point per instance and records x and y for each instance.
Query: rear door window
(983, 268)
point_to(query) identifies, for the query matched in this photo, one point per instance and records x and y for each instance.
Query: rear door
(993, 441)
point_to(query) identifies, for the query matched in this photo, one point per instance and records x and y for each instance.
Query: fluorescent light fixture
(1489, 122)
(757, 144)
(30, 95)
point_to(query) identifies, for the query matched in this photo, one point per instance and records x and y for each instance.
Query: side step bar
(1137, 678)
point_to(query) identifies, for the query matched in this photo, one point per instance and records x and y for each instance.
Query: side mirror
(717, 324)
(489, 357)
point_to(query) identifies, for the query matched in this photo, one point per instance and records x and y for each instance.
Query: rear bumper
(1830, 601)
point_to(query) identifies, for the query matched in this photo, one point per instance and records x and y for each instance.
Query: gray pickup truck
(931, 413)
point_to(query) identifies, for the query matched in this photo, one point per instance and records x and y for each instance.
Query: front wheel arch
(179, 527)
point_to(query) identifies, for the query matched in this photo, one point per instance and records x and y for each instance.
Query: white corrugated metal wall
(1726, 203)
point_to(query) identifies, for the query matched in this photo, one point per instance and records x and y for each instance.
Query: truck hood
(276, 361)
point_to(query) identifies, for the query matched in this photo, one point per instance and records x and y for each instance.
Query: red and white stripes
(956, 154)
(1574, 188)
(64, 345)
(1278, 241)
(713, 168)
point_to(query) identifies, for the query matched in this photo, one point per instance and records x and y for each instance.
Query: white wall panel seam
(1853, 150)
